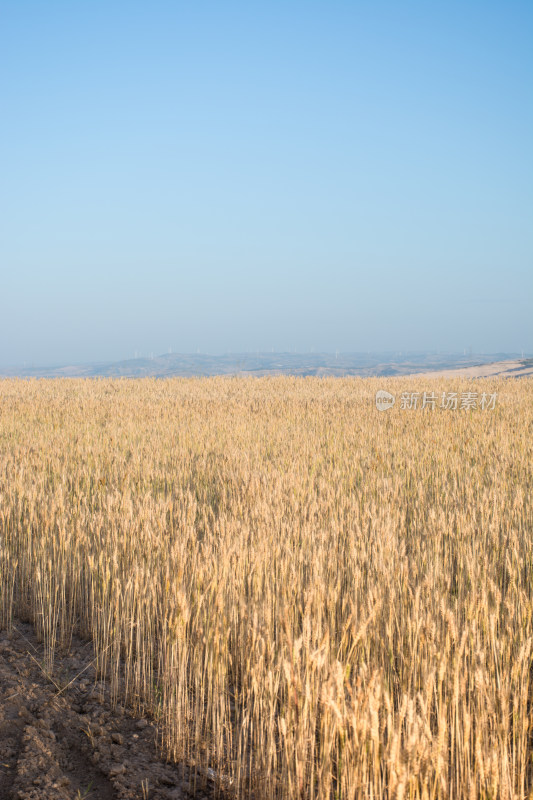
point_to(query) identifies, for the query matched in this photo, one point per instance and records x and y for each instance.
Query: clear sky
(247, 175)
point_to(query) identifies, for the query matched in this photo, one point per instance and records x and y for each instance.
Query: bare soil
(66, 742)
(496, 369)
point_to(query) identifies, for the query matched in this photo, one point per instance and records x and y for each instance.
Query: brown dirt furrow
(72, 744)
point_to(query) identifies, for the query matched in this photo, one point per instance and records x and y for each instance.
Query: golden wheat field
(312, 597)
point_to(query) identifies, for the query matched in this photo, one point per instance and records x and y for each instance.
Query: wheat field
(313, 598)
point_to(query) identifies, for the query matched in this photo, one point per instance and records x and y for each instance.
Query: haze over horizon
(238, 177)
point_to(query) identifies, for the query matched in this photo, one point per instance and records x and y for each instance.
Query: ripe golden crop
(317, 599)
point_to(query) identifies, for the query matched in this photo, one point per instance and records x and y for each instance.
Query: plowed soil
(63, 740)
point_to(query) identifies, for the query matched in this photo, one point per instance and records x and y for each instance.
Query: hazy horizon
(236, 177)
(391, 355)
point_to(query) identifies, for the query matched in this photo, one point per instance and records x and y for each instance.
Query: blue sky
(241, 176)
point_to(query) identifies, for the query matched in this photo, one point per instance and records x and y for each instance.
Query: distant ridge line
(385, 364)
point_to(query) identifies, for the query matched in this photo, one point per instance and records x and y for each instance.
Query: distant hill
(521, 368)
(259, 364)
